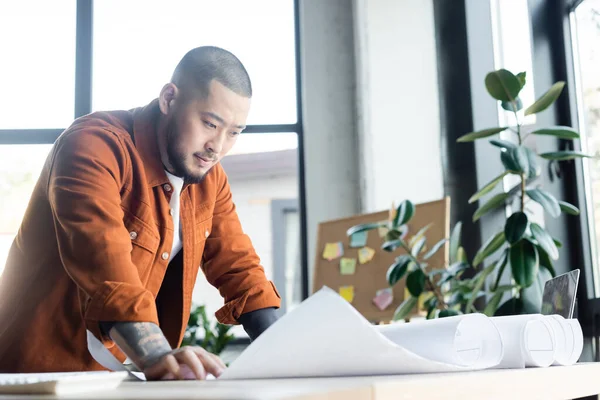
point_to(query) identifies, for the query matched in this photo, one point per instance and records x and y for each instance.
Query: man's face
(200, 132)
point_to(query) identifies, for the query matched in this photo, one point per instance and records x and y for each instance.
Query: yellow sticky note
(347, 266)
(333, 251)
(365, 255)
(347, 292)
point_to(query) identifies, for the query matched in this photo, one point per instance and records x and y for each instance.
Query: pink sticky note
(383, 298)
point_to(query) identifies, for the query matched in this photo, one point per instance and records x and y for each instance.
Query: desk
(533, 383)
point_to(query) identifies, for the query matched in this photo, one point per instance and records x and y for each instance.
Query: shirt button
(171, 211)
(165, 255)
(206, 233)
(133, 235)
(167, 187)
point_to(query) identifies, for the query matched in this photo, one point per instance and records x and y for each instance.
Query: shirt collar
(145, 123)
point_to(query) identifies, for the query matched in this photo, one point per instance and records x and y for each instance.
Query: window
(585, 21)
(20, 166)
(135, 47)
(38, 63)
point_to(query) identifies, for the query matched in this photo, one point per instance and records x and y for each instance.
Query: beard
(179, 157)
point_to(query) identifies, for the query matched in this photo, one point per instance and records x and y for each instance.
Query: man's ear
(167, 98)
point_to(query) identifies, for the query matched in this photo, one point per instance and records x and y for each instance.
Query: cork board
(370, 277)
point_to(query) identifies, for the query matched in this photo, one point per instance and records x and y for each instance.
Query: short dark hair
(203, 64)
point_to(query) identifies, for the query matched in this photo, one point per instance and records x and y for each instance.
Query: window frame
(83, 105)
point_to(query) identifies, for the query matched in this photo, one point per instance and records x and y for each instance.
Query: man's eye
(234, 133)
(209, 124)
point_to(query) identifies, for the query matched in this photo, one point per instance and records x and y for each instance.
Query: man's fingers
(188, 357)
(166, 368)
(218, 360)
(211, 362)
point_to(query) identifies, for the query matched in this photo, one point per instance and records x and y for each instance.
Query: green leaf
(405, 308)
(557, 242)
(503, 144)
(512, 306)
(546, 200)
(564, 155)
(416, 249)
(419, 235)
(522, 77)
(398, 269)
(431, 313)
(492, 305)
(448, 313)
(456, 268)
(545, 261)
(508, 161)
(493, 203)
(469, 137)
(502, 85)
(396, 233)
(524, 262)
(404, 213)
(462, 255)
(415, 282)
(489, 248)
(455, 241)
(515, 227)
(515, 160)
(546, 99)
(544, 240)
(364, 227)
(479, 282)
(391, 245)
(434, 249)
(563, 132)
(488, 188)
(534, 168)
(568, 208)
(512, 106)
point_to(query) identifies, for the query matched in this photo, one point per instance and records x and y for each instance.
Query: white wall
(371, 110)
(399, 129)
(328, 86)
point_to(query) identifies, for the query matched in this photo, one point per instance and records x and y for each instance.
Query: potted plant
(521, 245)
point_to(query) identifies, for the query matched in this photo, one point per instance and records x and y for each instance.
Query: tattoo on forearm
(141, 341)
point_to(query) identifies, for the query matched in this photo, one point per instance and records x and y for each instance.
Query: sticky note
(358, 239)
(383, 298)
(365, 255)
(333, 251)
(347, 266)
(347, 292)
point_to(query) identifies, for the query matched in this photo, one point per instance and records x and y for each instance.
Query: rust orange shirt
(95, 243)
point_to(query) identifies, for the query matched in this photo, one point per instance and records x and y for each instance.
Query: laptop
(560, 294)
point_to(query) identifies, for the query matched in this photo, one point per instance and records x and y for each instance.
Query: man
(128, 207)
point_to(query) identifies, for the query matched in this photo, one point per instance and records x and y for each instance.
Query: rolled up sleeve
(84, 189)
(231, 263)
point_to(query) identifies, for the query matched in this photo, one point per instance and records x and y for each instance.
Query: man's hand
(145, 344)
(184, 363)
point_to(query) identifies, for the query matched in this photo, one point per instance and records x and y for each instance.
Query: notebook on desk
(60, 383)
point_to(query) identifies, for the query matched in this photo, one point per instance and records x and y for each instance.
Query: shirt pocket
(202, 233)
(144, 244)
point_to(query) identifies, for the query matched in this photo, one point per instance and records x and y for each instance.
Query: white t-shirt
(177, 184)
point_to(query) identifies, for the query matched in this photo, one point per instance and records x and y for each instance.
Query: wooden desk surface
(532, 383)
